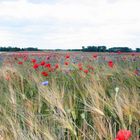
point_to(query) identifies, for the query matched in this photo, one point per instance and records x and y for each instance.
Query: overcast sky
(71, 24)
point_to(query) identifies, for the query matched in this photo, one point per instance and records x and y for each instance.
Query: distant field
(69, 95)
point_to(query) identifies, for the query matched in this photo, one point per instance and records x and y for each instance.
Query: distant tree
(15, 49)
(83, 47)
(122, 49)
(30, 49)
(101, 48)
(58, 50)
(137, 49)
(94, 49)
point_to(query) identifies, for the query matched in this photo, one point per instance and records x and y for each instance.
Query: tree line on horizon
(112, 49)
(84, 49)
(16, 49)
(104, 49)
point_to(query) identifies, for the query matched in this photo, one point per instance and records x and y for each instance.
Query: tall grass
(74, 105)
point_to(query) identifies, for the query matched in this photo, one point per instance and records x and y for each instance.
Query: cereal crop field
(69, 96)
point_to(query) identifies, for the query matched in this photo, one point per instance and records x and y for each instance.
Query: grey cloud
(42, 1)
(112, 1)
(8, 0)
(50, 23)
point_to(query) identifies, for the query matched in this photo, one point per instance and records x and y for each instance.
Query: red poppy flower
(136, 72)
(124, 58)
(90, 67)
(20, 63)
(56, 66)
(44, 73)
(79, 65)
(123, 135)
(104, 58)
(86, 71)
(119, 52)
(36, 66)
(48, 65)
(48, 57)
(133, 54)
(66, 63)
(95, 56)
(51, 69)
(42, 63)
(67, 56)
(80, 68)
(7, 77)
(110, 64)
(33, 60)
(25, 58)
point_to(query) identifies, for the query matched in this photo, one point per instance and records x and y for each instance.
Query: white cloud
(70, 24)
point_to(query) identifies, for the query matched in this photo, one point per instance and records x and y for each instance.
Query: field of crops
(69, 96)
